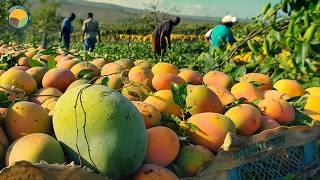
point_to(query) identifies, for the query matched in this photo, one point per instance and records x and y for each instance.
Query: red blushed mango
(163, 146)
(99, 62)
(44, 94)
(21, 68)
(192, 158)
(115, 81)
(126, 64)
(202, 99)
(58, 78)
(279, 110)
(154, 172)
(213, 128)
(223, 94)
(246, 118)
(37, 73)
(217, 78)
(59, 58)
(141, 74)
(265, 80)
(163, 101)
(191, 77)
(143, 63)
(67, 64)
(160, 68)
(24, 61)
(64, 58)
(76, 69)
(246, 90)
(46, 57)
(111, 68)
(289, 87)
(268, 123)
(274, 94)
(150, 114)
(163, 81)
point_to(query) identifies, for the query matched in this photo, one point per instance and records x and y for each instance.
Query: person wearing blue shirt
(221, 34)
(66, 30)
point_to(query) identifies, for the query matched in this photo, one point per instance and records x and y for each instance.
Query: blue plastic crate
(277, 165)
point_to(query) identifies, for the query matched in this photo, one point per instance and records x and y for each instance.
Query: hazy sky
(214, 8)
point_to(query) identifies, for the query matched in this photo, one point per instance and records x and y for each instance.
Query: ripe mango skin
(114, 130)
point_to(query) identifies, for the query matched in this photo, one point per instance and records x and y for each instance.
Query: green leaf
(3, 96)
(4, 66)
(193, 127)
(34, 63)
(298, 102)
(206, 59)
(48, 51)
(301, 119)
(105, 81)
(228, 67)
(275, 35)
(177, 170)
(235, 103)
(256, 102)
(86, 74)
(179, 94)
(51, 64)
(257, 84)
(238, 72)
(276, 75)
(306, 49)
(165, 117)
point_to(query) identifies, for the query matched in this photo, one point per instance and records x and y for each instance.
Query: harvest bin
(272, 154)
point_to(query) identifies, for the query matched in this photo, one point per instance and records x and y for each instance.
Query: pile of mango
(112, 116)
(147, 38)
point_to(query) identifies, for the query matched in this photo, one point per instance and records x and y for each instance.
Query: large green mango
(103, 128)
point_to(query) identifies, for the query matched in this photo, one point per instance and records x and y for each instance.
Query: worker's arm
(162, 38)
(63, 29)
(62, 33)
(207, 36)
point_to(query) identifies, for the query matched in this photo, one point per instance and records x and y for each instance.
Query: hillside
(109, 12)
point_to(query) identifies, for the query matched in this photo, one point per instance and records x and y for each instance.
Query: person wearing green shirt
(221, 34)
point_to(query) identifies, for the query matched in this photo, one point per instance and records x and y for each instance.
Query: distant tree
(155, 15)
(45, 18)
(5, 5)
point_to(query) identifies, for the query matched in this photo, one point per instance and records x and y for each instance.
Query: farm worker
(162, 34)
(220, 35)
(66, 30)
(90, 31)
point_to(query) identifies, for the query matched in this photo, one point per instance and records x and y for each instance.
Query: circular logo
(19, 17)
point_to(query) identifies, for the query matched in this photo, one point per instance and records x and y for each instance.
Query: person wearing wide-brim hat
(221, 34)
